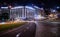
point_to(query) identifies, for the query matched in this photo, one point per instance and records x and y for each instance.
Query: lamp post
(9, 8)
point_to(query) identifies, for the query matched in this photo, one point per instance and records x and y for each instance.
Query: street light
(58, 7)
(9, 7)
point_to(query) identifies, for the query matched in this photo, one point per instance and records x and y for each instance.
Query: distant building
(22, 12)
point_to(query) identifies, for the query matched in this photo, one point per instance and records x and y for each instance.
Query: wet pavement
(46, 29)
(28, 30)
(34, 29)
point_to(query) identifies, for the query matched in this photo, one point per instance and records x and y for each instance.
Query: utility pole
(9, 8)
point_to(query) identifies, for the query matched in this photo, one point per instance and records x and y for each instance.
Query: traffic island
(10, 25)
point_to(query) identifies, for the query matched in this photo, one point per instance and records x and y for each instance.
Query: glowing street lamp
(58, 7)
(9, 7)
(53, 10)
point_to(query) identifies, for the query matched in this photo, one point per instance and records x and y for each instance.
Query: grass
(4, 27)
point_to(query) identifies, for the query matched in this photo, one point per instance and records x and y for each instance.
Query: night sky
(40, 3)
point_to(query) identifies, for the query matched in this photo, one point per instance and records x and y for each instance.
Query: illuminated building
(19, 12)
(23, 12)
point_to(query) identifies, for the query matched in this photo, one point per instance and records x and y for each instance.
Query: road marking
(18, 35)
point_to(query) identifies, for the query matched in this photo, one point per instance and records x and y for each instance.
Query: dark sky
(44, 3)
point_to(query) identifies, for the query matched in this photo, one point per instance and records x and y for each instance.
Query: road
(27, 30)
(33, 29)
(46, 29)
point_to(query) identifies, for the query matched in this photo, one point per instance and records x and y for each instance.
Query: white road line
(18, 35)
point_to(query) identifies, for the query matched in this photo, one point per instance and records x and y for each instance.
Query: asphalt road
(33, 29)
(46, 29)
(27, 30)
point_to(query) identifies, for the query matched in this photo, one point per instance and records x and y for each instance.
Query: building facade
(19, 12)
(22, 12)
